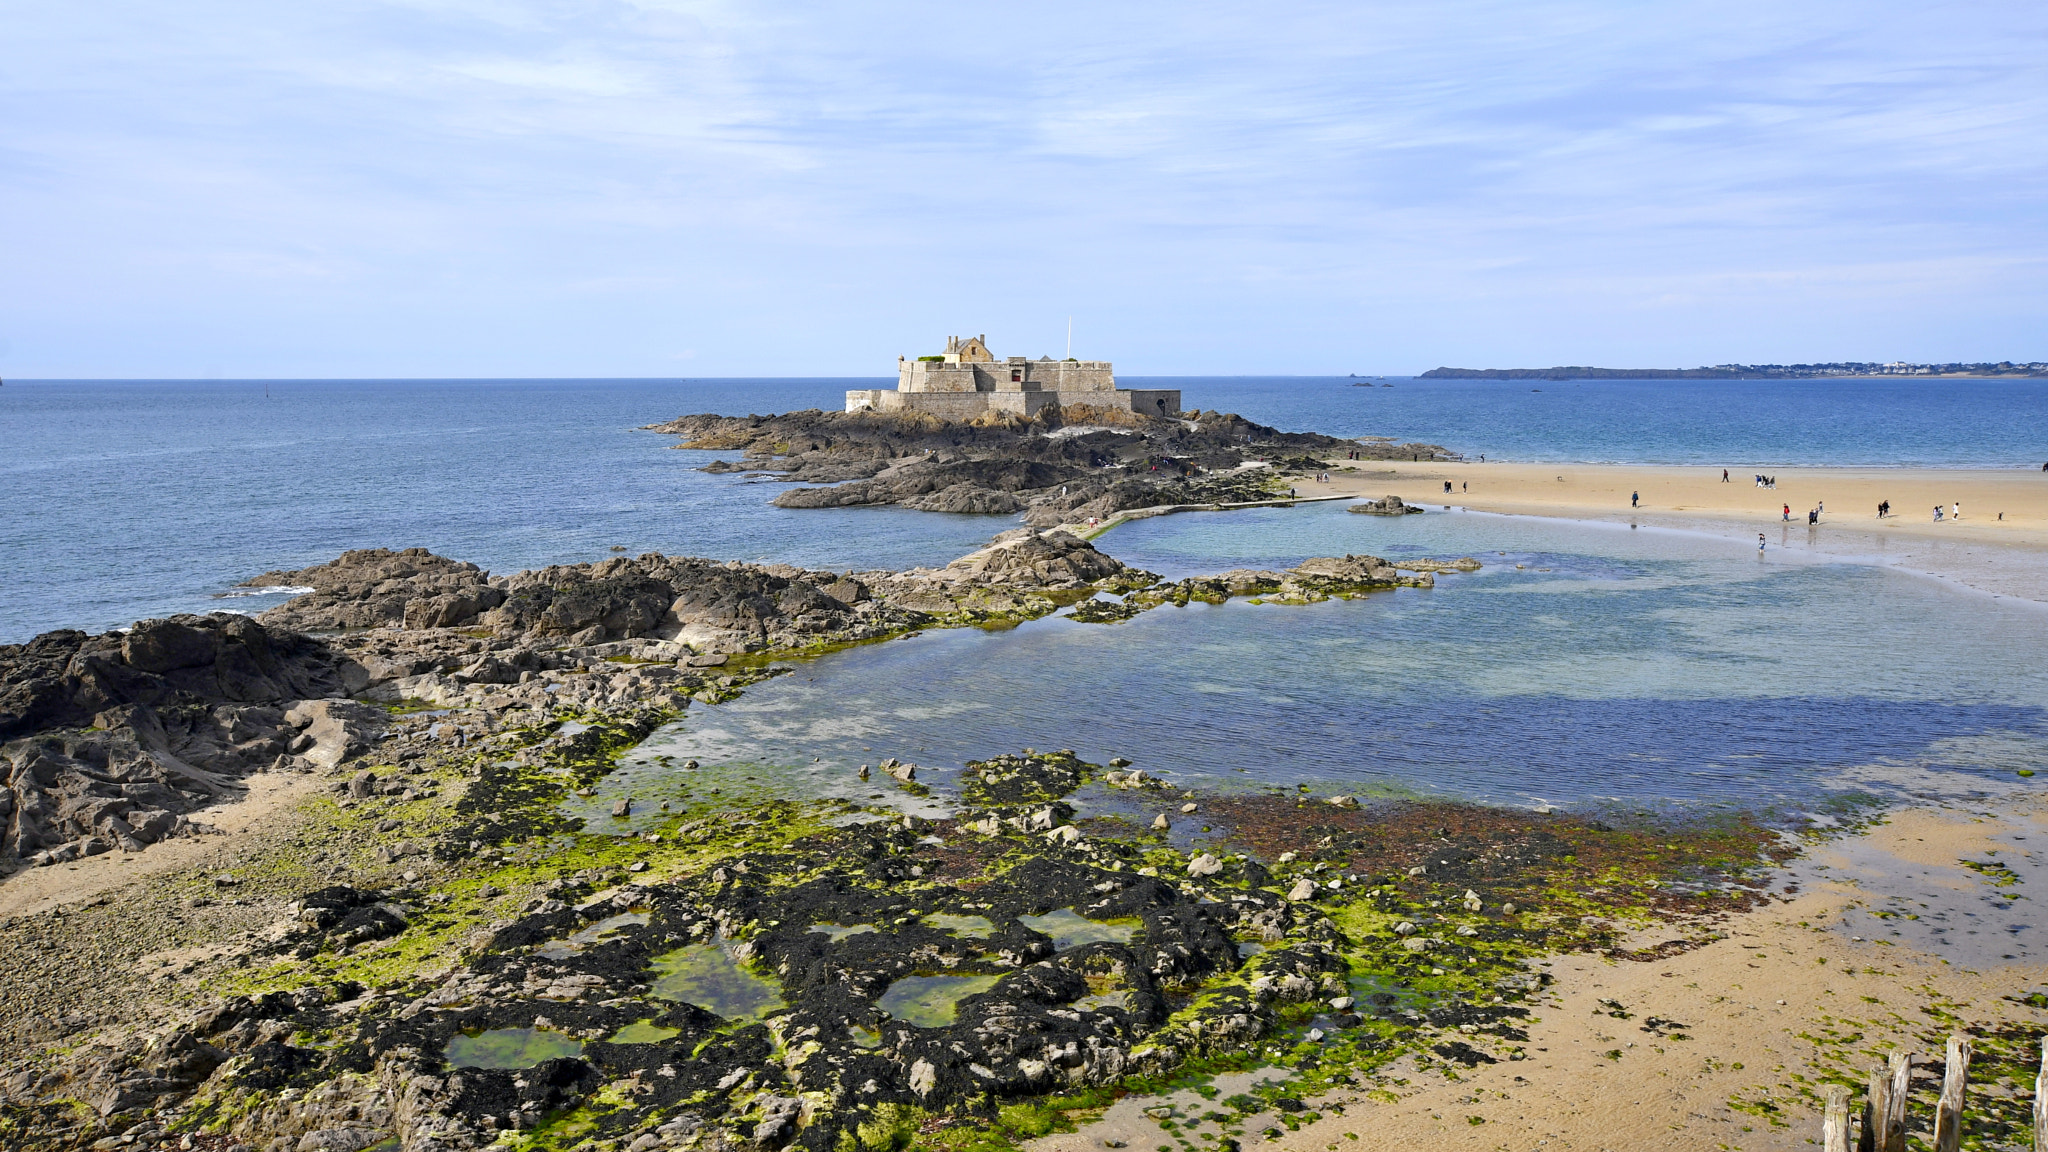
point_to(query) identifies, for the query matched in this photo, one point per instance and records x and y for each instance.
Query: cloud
(1416, 182)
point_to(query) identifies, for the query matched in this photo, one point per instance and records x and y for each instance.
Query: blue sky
(660, 188)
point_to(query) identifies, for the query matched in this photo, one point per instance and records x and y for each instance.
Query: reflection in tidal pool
(643, 1032)
(931, 1001)
(712, 978)
(510, 1048)
(980, 927)
(838, 932)
(1070, 929)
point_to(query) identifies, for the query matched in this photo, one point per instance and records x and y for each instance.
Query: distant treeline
(1739, 371)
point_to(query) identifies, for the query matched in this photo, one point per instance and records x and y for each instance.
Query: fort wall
(968, 381)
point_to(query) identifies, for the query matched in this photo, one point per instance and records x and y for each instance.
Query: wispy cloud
(493, 186)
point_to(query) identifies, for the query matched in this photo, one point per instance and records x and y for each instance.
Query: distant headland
(1740, 371)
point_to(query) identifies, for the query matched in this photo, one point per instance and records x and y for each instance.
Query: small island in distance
(1740, 371)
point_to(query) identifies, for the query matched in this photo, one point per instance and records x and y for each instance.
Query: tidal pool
(1120, 999)
(979, 927)
(838, 932)
(712, 978)
(1070, 929)
(590, 934)
(643, 1032)
(510, 1048)
(1643, 668)
(932, 1001)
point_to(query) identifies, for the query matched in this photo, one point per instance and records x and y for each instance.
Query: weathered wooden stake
(1948, 1113)
(1874, 1110)
(1834, 1124)
(2041, 1101)
(1892, 1136)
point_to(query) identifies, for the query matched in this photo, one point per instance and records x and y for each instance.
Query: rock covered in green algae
(1024, 779)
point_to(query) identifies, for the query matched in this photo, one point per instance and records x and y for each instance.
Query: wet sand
(2004, 557)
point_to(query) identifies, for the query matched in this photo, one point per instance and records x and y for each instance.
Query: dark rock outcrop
(1052, 468)
(380, 588)
(111, 740)
(1385, 506)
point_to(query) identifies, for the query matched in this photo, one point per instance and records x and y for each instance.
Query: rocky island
(1050, 471)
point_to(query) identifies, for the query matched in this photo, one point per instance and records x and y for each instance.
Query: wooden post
(1834, 1123)
(1874, 1109)
(1948, 1114)
(2041, 1101)
(1891, 1136)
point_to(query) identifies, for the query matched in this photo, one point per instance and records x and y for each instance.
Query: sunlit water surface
(1585, 664)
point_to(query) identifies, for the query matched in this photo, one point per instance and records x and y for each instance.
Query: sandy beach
(1717, 1047)
(2000, 546)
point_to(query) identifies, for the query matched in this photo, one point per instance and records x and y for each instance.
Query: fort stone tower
(967, 381)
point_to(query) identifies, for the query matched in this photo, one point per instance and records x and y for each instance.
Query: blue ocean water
(1889, 422)
(1584, 663)
(127, 499)
(1642, 665)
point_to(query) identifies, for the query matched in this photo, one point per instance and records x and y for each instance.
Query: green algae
(932, 1001)
(837, 932)
(979, 927)
(1070, 929)
(713, 978)
(643, 1032)
(510, 1048)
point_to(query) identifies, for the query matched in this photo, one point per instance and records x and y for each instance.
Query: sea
(1584, 664)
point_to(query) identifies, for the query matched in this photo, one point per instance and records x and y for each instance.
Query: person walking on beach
(1634, 498)
(1759, 543)
(1884, 509)
(1788, 513)
(1812, 517)
(1937, 513)
(1724, 475)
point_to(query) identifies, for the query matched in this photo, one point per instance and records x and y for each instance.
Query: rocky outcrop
(706, 605)
(812, 1057)
(920, 480)
(380, 588)
(1385, 506)
(111, 740)
(1314, 580)
(1057, 469)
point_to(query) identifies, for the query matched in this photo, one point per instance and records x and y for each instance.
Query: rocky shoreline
(431, 953)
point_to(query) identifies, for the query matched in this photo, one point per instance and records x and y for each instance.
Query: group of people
(1762, 481)
(1812, 514)
(1447, 486)
(1955, 512)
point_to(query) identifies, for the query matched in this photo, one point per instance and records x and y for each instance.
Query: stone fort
(968, 381)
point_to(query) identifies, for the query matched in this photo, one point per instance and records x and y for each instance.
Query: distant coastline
(1742, 371)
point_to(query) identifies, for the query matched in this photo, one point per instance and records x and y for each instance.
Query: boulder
(1385, 506)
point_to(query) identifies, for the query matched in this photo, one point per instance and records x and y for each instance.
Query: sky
(487, 188)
